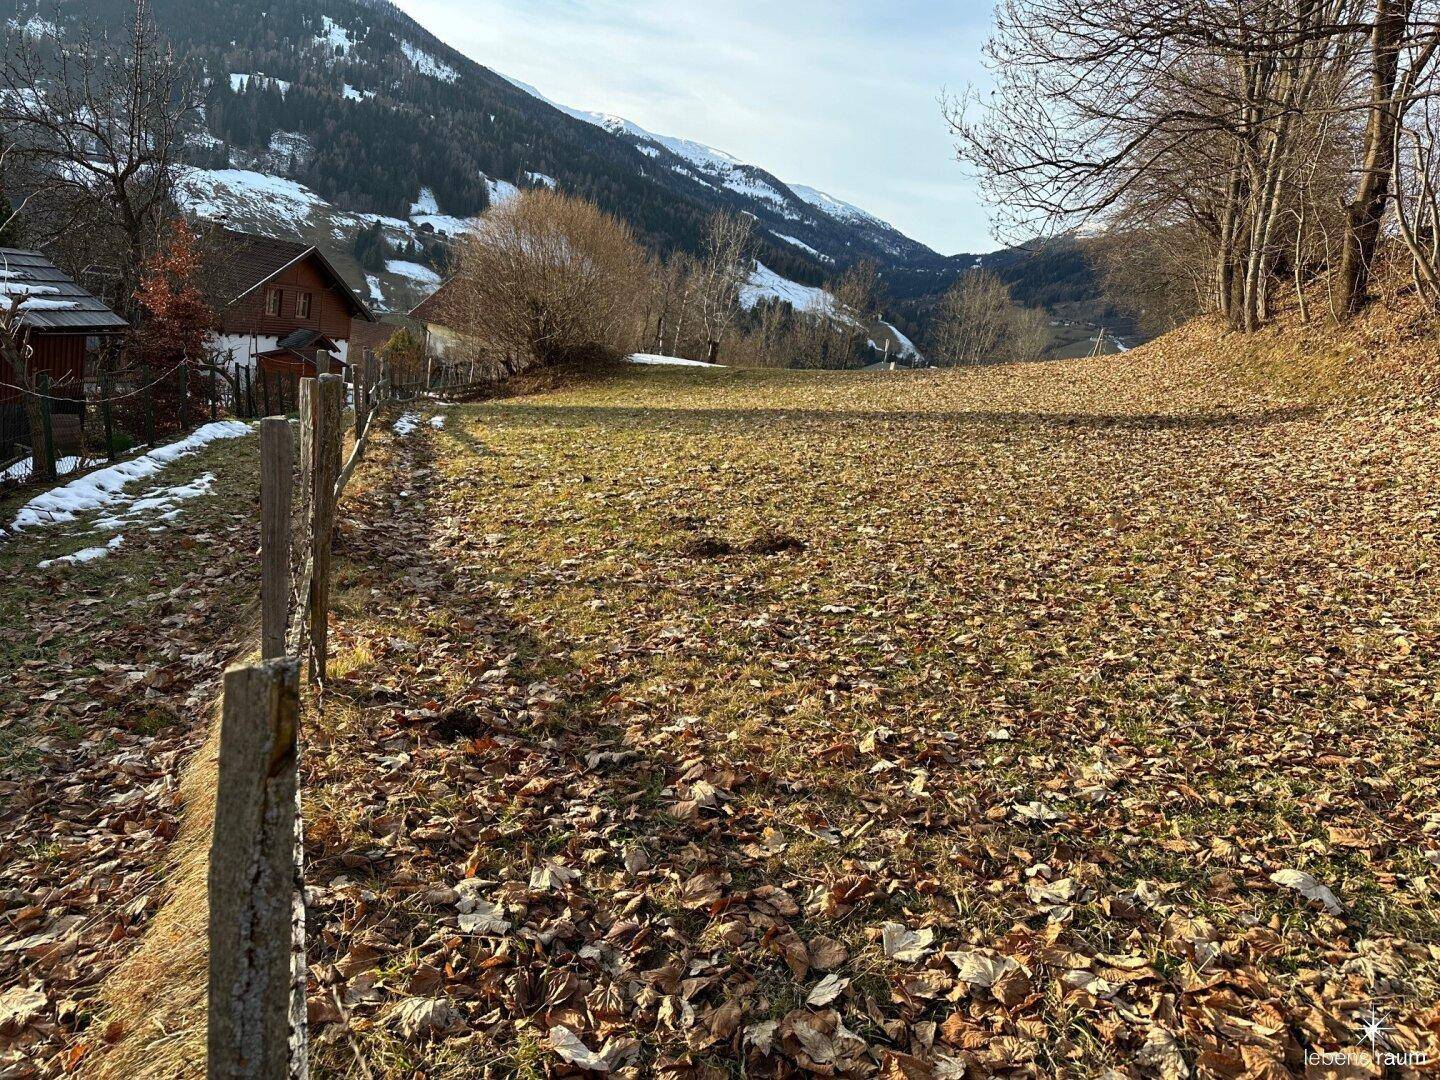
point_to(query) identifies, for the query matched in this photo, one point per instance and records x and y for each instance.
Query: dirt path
(1055, 719)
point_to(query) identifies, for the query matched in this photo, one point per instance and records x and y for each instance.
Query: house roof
(432, 308)
(304, 339)
(247, 261)
(56, 303)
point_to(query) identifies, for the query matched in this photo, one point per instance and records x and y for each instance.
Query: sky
(842, 95)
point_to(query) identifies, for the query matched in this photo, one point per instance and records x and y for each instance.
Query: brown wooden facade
(61, 356)
(276, 307)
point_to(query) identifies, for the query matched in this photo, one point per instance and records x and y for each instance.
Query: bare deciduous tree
(719, 276)
(547, 278)
(101, 125)
(978, 322)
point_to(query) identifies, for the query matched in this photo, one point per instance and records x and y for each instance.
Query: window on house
(302, 305)
(272, 301)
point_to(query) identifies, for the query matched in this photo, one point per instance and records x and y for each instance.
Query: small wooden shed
(63, 322)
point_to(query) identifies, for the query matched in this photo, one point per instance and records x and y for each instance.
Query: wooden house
(63, 324)
(284, 308)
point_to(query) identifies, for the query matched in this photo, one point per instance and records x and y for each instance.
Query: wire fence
(116, 409)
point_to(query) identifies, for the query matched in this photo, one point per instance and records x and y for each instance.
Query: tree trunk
(1363, 213)
(712, 353)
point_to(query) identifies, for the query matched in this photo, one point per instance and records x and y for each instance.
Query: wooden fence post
(327, 401)
(105, 414)
(306, 406)
(42, 454)
(149, 385)
(277, 451)
(252, 874)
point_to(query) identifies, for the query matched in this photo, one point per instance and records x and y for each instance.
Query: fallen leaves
(991, 777)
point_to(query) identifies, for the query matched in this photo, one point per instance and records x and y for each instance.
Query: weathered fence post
(149, 385)
(42, 455)
(327, 401)
(105, 414)
(277, 452)
(306, 407)
(252, 874)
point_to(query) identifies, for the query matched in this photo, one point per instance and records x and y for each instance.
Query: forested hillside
(394, 134)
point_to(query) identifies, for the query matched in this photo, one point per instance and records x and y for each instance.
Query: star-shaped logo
(1374, 1030)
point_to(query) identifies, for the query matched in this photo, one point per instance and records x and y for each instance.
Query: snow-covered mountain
(805, 206)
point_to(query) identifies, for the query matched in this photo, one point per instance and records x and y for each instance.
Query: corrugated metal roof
(82, 313)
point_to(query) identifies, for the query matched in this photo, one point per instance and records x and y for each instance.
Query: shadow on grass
(759, 420)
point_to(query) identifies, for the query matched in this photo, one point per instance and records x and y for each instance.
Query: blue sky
(838, 94)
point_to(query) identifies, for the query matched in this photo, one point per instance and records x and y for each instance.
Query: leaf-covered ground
(110, 673)
(1053, 720)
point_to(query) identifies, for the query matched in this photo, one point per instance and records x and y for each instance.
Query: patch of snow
(259, 198)
(541, 178)
(426, 64)
(801, 245)
(85, 555)
(764, 284)
(352, 94)
(334, 35)
(373, 283)
(668, 361)
(835, 208)
(414, 271)
(425, 203)
(35, 27)
(437, 422)
(105, 487)
(407, 423)
(907, 347)
(445, 223)
(240, 82)
(162, 502)
(501, 191)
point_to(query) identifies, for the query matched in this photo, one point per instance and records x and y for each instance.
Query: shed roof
(56, 304)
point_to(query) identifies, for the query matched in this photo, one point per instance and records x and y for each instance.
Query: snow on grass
(907, 347)
(437, 422)
(104, 488)
(254, 196)
(85, 555)
(765, 284)
(426, 64)
(446, 223)
(416, 272)
(655, 360)
(835, 208)
(352, 94)
(425, 203)
(407, 423)
(425, 210)
(541, 178)
(162, 502)
(501, 191)
(373, 284)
